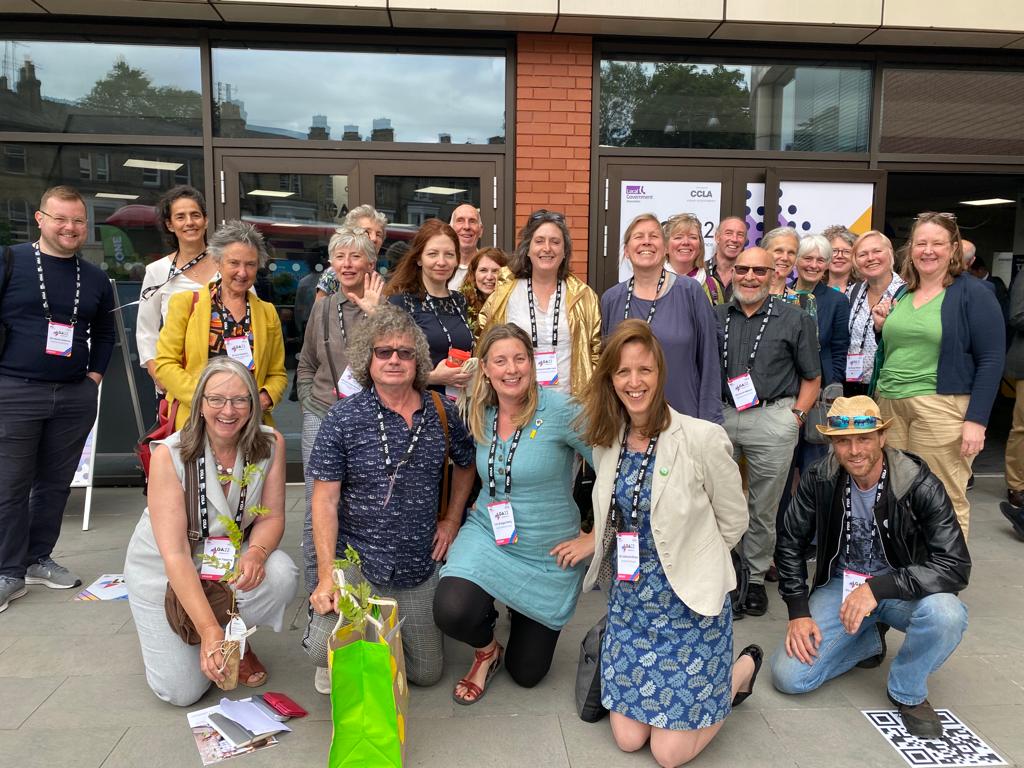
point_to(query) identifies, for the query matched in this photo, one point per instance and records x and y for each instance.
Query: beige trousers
(932, 427)
(1015, 444)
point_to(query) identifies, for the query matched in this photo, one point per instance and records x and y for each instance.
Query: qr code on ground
(959, 745)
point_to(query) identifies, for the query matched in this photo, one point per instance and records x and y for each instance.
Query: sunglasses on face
(858, 422)
(742, 269)
(385, 353)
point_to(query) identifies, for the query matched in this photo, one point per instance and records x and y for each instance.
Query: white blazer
(698, 511)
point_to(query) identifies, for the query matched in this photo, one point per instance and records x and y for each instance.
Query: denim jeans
(43, 427)
(933, 625)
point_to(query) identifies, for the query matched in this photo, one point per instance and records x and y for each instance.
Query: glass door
(297, 200)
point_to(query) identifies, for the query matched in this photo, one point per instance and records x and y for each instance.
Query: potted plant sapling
(235, 632)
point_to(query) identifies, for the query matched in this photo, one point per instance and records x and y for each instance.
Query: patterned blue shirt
(394, 541)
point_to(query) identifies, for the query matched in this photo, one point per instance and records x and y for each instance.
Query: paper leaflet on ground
(213, 748)
(109, 586)
(959, 745)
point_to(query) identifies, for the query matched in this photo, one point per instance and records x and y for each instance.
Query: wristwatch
(802, 415)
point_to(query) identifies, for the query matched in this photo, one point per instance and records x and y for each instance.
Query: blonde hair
(690, 221)
(485, 397)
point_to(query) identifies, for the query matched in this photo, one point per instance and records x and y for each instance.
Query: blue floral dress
(662, 663)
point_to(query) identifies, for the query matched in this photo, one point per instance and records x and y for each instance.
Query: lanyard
(172, 273)
(229, 324)
(430, 302)
(862, 301)
(204, 519)
(637, 487)
(533, 314)
(42, 286)
(757, 339)
(341, 322)
(491, 485)
(848, 505)
(654, 304)
(389, 466)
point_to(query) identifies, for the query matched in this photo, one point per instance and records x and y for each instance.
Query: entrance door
(298, 199)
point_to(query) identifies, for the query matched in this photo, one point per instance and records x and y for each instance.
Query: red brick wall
(554, 79)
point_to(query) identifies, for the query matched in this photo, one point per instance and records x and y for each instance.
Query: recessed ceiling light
(269, 193)
(116, 196)
(440, 191)
(987, 201)
(153, 165)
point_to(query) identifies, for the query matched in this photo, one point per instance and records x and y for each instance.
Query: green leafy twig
(355, 603)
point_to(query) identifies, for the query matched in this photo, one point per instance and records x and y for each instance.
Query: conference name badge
(743, 393)
(59, 338)
(238, 349)
(627, 549)
(217, 551)
(854, 367)
(547, 369)
(347, 384)
(503, 522)
(852, 580)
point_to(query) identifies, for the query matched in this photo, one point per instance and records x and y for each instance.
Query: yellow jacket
(186, 336)
(584, 318)
(698, 512)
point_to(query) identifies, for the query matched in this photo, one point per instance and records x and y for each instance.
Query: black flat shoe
(1015, 515)
(757, 654)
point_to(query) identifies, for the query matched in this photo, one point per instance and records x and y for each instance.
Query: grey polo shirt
(788, 351)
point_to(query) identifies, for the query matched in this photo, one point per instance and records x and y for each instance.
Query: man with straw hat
(889, 553)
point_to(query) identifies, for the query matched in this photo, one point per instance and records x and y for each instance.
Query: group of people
(448, 412)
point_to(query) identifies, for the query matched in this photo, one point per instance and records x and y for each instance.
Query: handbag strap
(327, 346)
(445, 475)
(192, 504)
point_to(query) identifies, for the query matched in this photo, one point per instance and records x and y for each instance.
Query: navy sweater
(24, 355)
(833, 333)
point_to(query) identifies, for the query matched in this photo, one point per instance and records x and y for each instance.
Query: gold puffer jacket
(584, 318)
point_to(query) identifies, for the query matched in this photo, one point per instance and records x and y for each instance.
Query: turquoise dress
(523, 575)
(661, 662)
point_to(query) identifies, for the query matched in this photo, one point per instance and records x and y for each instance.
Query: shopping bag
(369, 691)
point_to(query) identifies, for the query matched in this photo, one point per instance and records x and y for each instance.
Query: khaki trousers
(1015, 444)
(932, 427)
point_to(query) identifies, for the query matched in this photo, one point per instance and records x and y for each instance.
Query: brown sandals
(250, 667)
(494, 656)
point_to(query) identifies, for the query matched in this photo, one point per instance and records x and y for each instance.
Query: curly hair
(387, 322)
(838, 230)
(236, 231)
(353, 237)
(519, 263)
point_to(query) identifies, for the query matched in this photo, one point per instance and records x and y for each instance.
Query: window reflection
(778, 106)
(120, 184)
(359, 96)
(69, 87)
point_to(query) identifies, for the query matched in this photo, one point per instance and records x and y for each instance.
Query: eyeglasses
(385, 353)
(842, 252)
(63, 221)
(859, 422)
(546, 215)
(219, 401)
(742, 269)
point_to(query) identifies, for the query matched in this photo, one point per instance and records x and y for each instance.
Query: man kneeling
(889, 553)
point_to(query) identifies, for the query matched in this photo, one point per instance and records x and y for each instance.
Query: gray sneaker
(47, 571)
(10, 589)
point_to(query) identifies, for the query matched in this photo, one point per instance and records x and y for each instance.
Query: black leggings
(466, 613)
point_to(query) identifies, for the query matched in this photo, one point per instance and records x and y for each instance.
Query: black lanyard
(42, 286)
(654, 304)
(848, 505)
(491, 485)
(228, 323)
(533, 314)
(204, 519)
(757, 339)
(172, 273)
(429, 301)
(389, 466)
(341, 322)
(869, 322)
(617, 522)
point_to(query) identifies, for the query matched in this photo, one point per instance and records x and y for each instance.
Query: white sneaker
(52, 574)
(322, 681)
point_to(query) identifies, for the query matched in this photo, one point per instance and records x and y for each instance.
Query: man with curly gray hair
(377, 467)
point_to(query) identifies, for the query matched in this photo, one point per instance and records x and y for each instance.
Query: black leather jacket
(920, 534)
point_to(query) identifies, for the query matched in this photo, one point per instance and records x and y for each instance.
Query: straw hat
(851, 409)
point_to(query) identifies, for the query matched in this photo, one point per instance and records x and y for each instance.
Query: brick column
(553, 106)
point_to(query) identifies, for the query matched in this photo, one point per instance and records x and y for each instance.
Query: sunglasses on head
(545, 215)
(742, 269)
(385, 353)
(936, 214)
(858, 422)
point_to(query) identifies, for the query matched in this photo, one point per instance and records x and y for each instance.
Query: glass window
(71, 87)
(120, 204)
(804, 107)
(14, 158)
(360, 96)
(952, 112)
